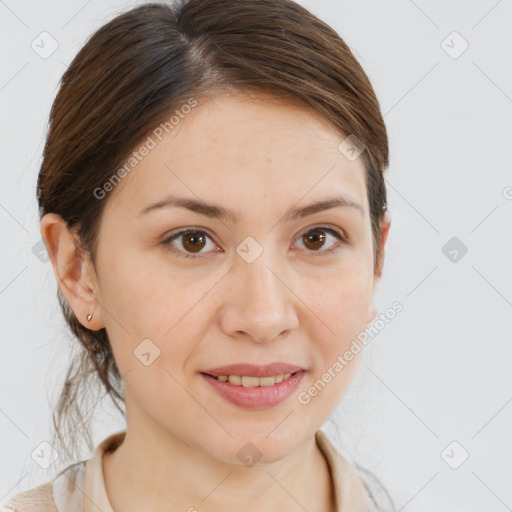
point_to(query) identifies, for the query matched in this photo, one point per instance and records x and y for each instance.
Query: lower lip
(257, 397)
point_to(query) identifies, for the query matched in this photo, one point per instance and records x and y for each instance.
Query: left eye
(194, 240)
(315, 238)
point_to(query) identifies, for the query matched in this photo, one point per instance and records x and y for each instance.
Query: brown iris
(193, 241)
(314, 239)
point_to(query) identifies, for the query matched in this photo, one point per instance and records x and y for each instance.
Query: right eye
(190, 239)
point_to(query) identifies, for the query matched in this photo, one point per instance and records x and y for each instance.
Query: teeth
(251, 382)
(235, 379)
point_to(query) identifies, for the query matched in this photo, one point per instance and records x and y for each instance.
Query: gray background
(438, 373)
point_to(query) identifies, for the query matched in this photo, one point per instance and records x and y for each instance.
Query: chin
(250, 449)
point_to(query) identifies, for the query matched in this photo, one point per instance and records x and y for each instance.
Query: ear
(384, 226)
(73, 270)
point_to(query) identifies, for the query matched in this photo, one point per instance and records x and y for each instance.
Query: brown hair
(143, 64)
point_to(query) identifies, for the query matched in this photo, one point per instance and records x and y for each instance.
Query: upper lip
(251, 370)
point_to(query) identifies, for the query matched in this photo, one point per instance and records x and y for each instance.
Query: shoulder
(52, 496)
(36, 499)
(349, 489)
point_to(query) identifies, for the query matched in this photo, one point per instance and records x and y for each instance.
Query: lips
(255, 397)
(251, 370)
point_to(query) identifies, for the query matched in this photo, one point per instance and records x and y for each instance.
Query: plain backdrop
(430, 409)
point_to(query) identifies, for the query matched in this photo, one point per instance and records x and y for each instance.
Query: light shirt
(80, 487)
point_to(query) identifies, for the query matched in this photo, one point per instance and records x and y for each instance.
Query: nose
(260, 303)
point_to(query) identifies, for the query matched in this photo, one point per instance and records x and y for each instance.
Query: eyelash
(167, 242)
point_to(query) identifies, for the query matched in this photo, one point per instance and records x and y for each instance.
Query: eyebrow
(215, 211)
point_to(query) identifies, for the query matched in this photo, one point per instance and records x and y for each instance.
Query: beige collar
(349, 490)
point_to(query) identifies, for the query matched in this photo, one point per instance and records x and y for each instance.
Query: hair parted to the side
(145, 63)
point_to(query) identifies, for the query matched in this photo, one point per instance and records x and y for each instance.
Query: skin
(258, 156)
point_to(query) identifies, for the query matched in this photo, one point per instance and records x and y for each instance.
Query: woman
(212, 200)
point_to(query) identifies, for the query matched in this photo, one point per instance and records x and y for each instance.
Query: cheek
(340, 302)
(144, 295)
(337, 318)
(153, 314)
(157, 390)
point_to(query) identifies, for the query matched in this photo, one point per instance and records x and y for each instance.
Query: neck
(155, 470)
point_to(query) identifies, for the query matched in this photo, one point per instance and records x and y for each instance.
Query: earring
(89, 316)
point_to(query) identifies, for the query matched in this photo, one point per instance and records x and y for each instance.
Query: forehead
(233, 145)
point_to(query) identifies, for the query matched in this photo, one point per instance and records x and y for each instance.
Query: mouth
(252, 392)
(250, 370)
(249, 381)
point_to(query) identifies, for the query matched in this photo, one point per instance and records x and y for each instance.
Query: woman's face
(261, 285)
